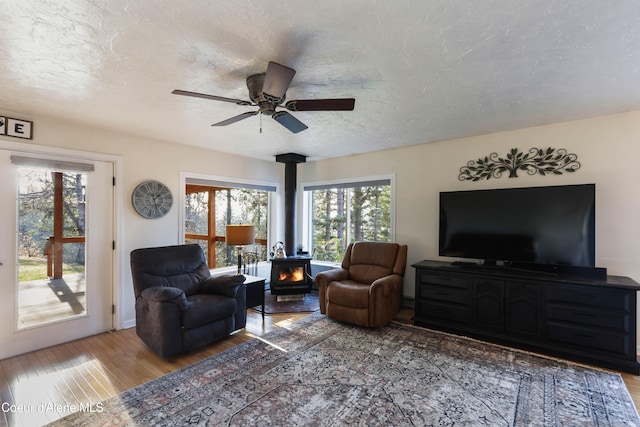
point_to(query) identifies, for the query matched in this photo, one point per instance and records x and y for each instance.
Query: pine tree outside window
(339, 213)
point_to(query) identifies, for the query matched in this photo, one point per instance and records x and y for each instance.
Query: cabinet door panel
(488, 298)
(524, 309)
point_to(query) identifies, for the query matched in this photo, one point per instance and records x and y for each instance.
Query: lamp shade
(240, 234)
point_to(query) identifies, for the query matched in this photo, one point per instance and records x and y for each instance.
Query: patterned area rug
(323, 373)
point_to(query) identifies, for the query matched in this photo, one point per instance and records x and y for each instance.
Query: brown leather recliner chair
(367, 290)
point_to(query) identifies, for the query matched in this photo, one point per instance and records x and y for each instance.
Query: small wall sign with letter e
(18, 128)
(3, 125)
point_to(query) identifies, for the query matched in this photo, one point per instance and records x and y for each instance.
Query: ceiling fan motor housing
(266, 104)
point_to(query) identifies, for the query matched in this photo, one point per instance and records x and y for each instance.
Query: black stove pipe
(290, 161)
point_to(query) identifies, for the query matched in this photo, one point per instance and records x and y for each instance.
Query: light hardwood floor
(92, 369)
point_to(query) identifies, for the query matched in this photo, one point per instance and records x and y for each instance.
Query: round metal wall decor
(152, 199)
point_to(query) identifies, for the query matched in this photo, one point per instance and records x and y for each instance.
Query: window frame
(272, 188)
(307, 187)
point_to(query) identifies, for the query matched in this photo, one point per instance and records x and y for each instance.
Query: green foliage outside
(35, 221)
(232, 206)
(36, 269)
(340, 216)
(345, 215)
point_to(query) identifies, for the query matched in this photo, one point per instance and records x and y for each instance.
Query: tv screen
(539, 225)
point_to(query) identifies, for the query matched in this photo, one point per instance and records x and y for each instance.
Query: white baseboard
(129, 324)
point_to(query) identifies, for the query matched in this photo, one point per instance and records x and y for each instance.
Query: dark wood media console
(583, 319)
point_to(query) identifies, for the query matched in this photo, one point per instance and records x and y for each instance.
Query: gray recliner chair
(179, 305)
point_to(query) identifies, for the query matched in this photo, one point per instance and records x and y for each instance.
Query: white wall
(608, 149)
(142, 159)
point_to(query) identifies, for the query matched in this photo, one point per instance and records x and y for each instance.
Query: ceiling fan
(267, 92)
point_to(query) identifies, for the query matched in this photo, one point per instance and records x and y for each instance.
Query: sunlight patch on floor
(269, 343)
(44, 397)
(286, 323)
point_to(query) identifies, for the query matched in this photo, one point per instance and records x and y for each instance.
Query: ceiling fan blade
(276, 81)
(236, 118)
(205, 96)
(288, 121)
(338, 104)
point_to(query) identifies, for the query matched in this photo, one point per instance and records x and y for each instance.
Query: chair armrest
(323, 279)
(166, 294)
(226, 285)
(387, 284)
(337, 274)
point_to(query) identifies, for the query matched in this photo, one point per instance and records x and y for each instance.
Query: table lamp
(240, 235)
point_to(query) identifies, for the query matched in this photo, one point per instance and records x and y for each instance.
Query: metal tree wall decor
(537, 161)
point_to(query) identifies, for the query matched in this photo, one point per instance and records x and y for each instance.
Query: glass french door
(56, 254)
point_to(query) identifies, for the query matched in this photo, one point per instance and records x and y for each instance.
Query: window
(51, 245)
(337, 214)
(211, 205)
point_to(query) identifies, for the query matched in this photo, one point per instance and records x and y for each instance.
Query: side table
(255, 291)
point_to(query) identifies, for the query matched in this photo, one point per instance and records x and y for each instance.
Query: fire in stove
(291, 274)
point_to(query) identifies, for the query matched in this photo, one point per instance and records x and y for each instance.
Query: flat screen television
(533, 226)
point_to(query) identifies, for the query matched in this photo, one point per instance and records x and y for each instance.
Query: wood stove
(291, 275)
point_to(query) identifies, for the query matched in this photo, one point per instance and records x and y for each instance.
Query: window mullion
(211, 227)
(348, 194)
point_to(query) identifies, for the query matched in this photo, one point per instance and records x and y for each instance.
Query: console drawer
(443, 294)
(584, 295)
(594, 339)
(613, 320)
(448, 281)
(444, 311)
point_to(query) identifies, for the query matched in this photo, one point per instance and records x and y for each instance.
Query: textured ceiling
(420, 70)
